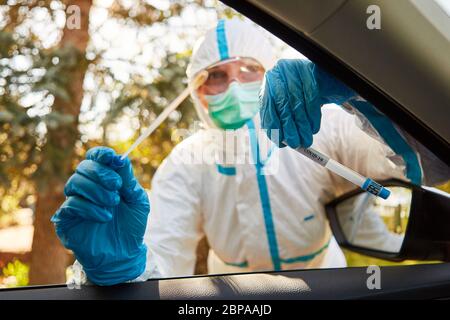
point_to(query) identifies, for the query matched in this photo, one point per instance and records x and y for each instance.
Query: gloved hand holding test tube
(292, 96)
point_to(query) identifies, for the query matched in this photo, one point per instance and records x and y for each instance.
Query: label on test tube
(314, 155)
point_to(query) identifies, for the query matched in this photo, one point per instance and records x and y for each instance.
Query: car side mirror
(413, 223)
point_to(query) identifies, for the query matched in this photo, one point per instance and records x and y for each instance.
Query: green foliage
(445, 187)
(33, 94)
(18, 139)
(18, 11)
(23, 126)
(57, 63)
(143, 13)
(17, 274)
(17, 128)
(358, 260)
(146, 101)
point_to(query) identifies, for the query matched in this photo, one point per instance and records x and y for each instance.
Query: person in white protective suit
(253, 220)
(260, 207)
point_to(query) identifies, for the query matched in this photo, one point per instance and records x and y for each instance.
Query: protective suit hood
(229, 39)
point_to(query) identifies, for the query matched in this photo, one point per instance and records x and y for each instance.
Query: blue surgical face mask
(234, 107)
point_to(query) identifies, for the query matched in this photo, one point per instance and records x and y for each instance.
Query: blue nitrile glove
(293, 93)
(104, 217)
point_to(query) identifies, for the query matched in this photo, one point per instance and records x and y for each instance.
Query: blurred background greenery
(65, 89)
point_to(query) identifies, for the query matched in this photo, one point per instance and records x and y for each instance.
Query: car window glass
(69, 83)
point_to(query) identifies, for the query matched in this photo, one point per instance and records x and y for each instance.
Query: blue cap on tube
(375, 189)
(384, 193)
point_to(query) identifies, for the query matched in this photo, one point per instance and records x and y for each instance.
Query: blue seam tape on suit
(222, 40)
(264, 197)
(307, 257)
(238, 264)
(304, 258)
(228, 171)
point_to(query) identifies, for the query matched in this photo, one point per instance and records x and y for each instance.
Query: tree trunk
(201, 264)
(49, 258)
(7, 257)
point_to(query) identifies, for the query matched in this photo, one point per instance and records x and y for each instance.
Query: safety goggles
(221, 74)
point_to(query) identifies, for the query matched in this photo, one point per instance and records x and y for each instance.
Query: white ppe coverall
(252, 220)
(266, 213)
